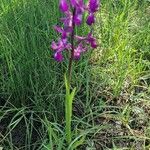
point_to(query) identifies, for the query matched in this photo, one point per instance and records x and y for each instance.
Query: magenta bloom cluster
(73, 16)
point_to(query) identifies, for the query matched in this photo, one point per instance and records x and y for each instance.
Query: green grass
(113, 93)
(124, 42)
(29, 73)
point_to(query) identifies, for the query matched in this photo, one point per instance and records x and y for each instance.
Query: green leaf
(67, 85)
(78, 143)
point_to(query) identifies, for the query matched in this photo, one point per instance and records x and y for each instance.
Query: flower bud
(90, 19)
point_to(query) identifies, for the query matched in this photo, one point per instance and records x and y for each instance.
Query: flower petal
(78, 19)
(58, 29)
(94, 44)
(58, 56)
(54, 46)
(63, 5)
(77, 51)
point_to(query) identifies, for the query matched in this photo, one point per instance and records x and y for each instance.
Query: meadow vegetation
(111, 110)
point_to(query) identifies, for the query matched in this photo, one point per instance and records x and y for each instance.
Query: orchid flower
(73, 16)
(75, 45)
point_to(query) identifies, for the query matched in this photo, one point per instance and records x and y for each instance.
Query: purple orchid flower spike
(73, 11)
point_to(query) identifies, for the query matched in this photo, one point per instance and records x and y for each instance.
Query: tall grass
(123, 31)
(31, 82)
(28, 72)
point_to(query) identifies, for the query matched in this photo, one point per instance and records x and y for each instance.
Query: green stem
(69, 96)
(72, 49)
